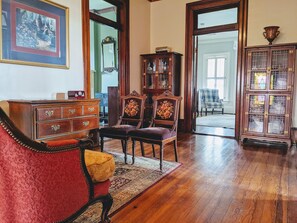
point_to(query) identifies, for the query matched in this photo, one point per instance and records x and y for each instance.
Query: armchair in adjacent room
(45, 182)
(209, 99)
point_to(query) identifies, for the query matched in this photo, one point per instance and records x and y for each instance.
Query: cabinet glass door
(255, 115)
(258, 70)
(149, 71)
(277, 109)
(163, 73)
(279, 69)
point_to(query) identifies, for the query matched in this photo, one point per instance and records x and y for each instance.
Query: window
(217, 18)
(217, 74)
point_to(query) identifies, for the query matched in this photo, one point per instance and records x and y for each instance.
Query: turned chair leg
(102, 143)
(161, 157)
(124, 146)
(154, 153)
(122, 142)
(133, 151)
(142, 149)
(107, 203)
(175, 150)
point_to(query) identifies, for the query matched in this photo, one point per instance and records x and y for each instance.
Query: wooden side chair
(163, 127)
(130, 119)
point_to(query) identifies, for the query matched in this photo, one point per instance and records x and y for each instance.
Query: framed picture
(34, 33)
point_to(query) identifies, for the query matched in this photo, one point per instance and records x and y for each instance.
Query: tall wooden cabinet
(160, 72)
(268, 92)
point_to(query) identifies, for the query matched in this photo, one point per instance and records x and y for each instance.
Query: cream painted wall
(32, 82)
(167, 20)
(139, 39)
(272, 12)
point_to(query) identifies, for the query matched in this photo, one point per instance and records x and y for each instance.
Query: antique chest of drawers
(44, 120)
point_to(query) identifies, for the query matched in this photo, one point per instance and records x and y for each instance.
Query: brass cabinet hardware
(71, 111)
(86, 123)
(49, 113)
(55, 127)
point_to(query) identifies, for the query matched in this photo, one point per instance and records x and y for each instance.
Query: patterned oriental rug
(129, 182)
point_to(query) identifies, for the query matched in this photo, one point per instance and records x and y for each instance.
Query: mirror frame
(106, 43)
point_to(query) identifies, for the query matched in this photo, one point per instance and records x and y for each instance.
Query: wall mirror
(109, 54)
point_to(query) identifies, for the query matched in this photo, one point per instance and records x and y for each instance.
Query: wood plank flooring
(215, 131)
(219, 181)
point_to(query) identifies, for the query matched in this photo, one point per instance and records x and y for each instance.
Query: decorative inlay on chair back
(166, 109)
(132, 108)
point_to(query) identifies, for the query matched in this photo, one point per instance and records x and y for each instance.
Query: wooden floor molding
(219, 181)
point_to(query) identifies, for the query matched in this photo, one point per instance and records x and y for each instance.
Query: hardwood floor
(215, 131)
(219, 181)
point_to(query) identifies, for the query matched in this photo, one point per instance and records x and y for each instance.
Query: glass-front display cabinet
(160, 72)
(268, 92)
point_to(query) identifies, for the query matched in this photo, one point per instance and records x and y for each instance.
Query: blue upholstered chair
(209, 99)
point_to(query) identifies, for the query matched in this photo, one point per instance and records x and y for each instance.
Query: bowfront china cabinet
(160, 72)
(268, 93)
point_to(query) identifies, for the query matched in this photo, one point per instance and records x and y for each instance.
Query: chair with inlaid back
(163, 127)
(130, 119)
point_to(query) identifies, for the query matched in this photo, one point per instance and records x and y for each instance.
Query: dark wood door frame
(209, 5)
(124, 52)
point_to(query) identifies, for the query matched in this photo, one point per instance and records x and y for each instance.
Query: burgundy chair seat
(157, 133)
(121, 130)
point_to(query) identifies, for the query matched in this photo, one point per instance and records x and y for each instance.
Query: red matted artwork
(36, 33)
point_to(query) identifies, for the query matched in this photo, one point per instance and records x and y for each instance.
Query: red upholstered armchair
(38, 184)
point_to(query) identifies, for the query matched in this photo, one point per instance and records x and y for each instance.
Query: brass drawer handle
(86, 123)
(49, 113)
(91, 109)
(71, 111)
(55, 127)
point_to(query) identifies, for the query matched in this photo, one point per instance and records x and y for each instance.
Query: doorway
(105, 32)
(196, 30)
(106, 53)
(216, 83)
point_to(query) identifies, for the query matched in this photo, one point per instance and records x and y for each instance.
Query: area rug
(223, 121)
(129, 182)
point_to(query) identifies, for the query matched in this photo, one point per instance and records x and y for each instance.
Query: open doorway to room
(106, 54)
(104, 66)
(216, 83)
(208, 20)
